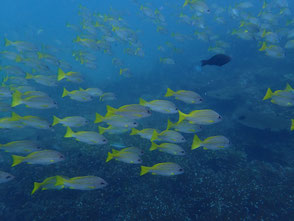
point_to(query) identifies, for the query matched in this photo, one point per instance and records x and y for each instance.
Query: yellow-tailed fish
(123, 156)
(189, 97)
(163, 169)
(20, 147)
(77, 95)
(184, 127)
(170, 148)
(168, 136)
(89, 137)
(74, 121)
(210, 143)
(81, 183)
(48, 184)
(116, 121)
(131, 111)
(201, 117)
(145, 133)
(161, 106)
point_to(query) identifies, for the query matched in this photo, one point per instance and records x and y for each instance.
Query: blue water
(252, 179)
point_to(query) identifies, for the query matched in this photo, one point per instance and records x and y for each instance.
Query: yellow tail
(29, 76)
(16, 99)
(56, 120)
(17, 160)
(292, 124)
(186, 3)
(60, 181)
(15, 116)
(109, 156)
(288, 87)
(18, 58)
(60, 74)
(40, 55)
(268, 94)
(169, 92)
(110, 110)
(144, 170)
(154, 136)
(154, 146)
(134, 131)
(102, 130)
(36, 187)
(65, 92)
(182, 117)
(142, 102)
(99, 118)
(170, 124)
(7, 42)
(69, 132)
(196, 142)
(263, 47)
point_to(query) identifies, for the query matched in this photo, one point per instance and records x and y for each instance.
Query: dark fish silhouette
(219, 60)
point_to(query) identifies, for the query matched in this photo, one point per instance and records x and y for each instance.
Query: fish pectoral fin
(172, 174)
(204, 148)
(51, 160)
(153, 173)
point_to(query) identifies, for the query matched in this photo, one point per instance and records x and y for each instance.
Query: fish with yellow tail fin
(163, 169)
(71, 76)
(81, 183)
(77, 95)
(20, 147)
(210, 143)
(74, 121)
(131, 111)
(44, 157)
(113, 130)
(89, 137)
(116, 121)
(48, 184)
(184, 127)
(46, 80)
(35, 100)
(274, 51)
(283, 98)
(108, 96)
(32, 121)
(168, 136)
(21, 45)
(170, 148)
(201, 117)
(161, 106)
(11, 122)
(145, 133)
(124, 156)
(189, 97)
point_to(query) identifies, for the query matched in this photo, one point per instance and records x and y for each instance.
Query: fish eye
(219, 117)
(139, 160)
(200, 99)
(182, 151)
(183, 138)
(177, 109)
(38, 148)
(7, 177)
(54, 102)
(180, 169)
(135, 123)
(208, 10)
(102, 183)
(50, 126)
(104, 140)
(61, 157)
(148, 111)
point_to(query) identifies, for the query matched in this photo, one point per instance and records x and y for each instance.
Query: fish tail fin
(186, 3)
(17, 160)
(109, 156)
(99, 118)
(154, 146)
(196, 142)
(29, 76)
(59, 181)
(182, 117)
(69, 132)
(18, 58)
(16, 99)
(15, 116)
(142, 102)
(292, 124)
(56, 120)
(268, 94)
(263, 47)
(36, 187)
(204, 62)
(110, 110)
(134, 131)
(154, 136)
(60, 74)
(169, 92)
(288, 87)
(101, 130)
(144, 170)
(7, 42)
(170, 124)
(65, 92)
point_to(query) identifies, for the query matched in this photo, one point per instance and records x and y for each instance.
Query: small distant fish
(210, 143)
(109, 96)
(5, 177)
(170, 148)
(43, 157)
(189, 97)
(116, 121)
(77, 95)
(131, 111)
(47, 80)
(218, 60)
(163, 169)
(74, 121)
(81, 183)
(113, 130)
(161, 106)
(95, 92)
(89, 137)
(71, 76)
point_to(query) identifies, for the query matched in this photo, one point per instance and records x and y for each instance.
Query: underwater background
(134, 49)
